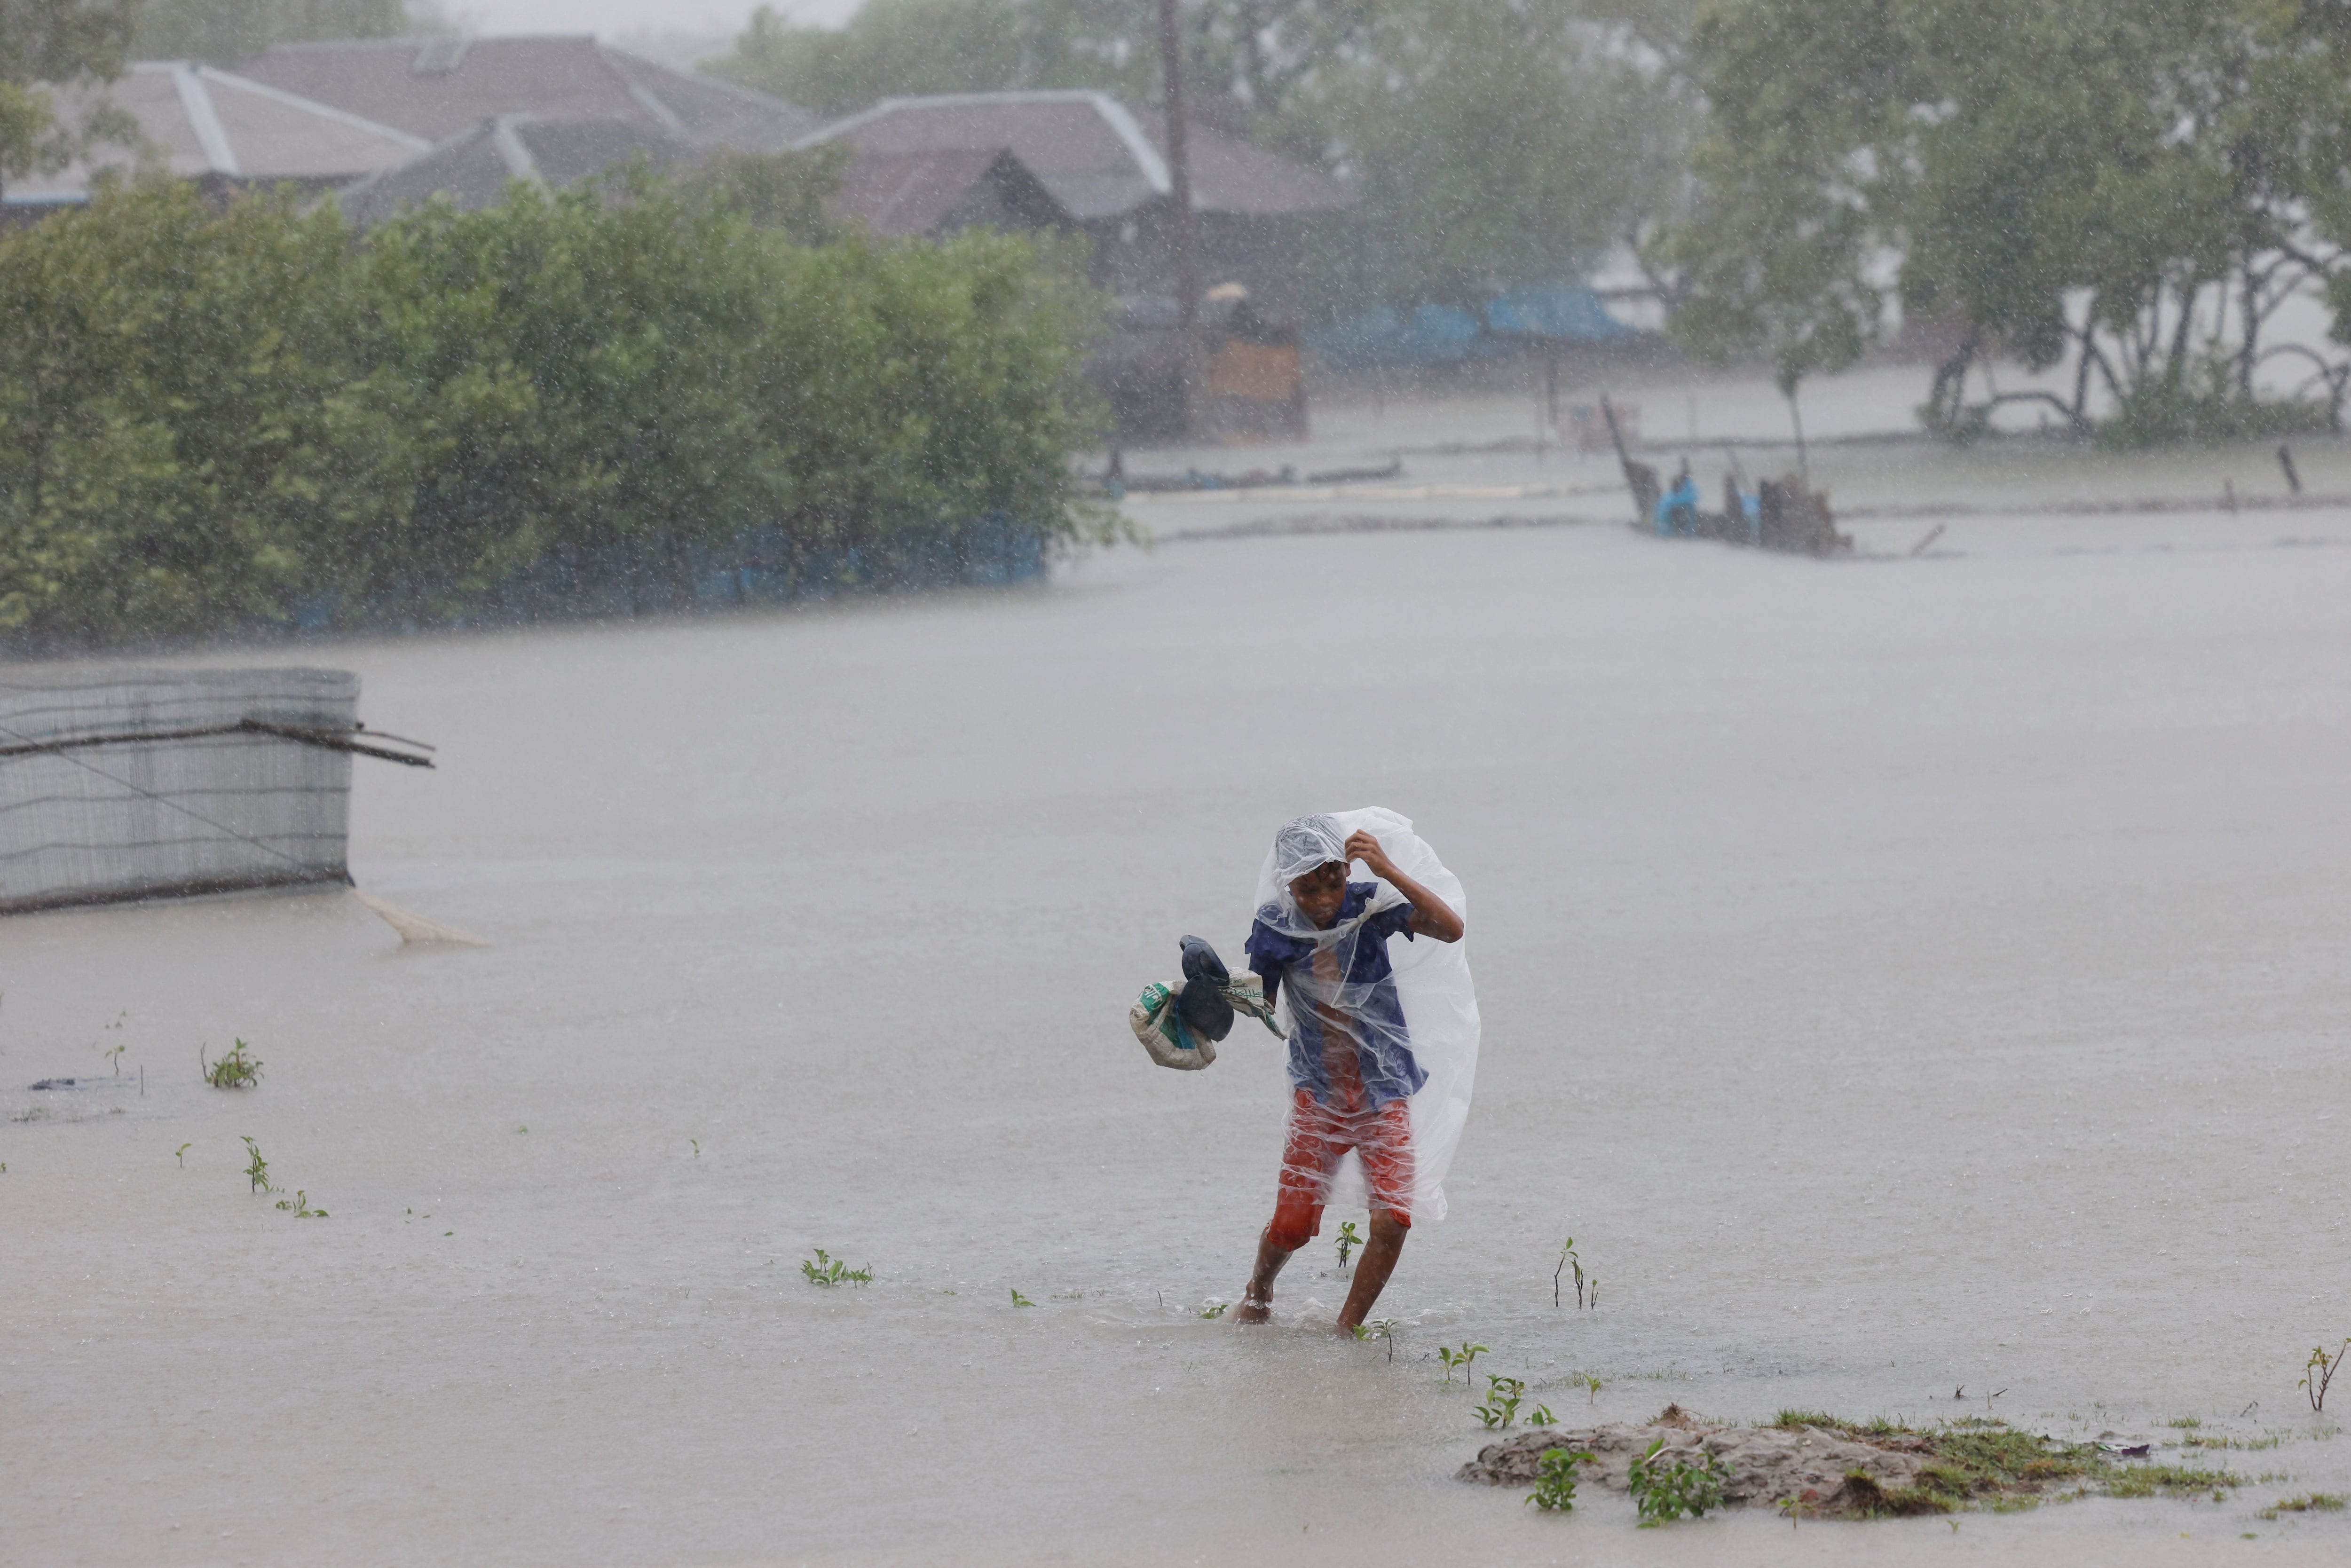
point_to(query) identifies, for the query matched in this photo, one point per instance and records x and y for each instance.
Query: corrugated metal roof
(432, 90)
(906, 193)
(199, 122)
(1097, 157)
(473, 169)
(922, 193)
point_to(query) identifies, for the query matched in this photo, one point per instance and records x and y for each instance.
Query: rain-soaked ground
(1913, 983)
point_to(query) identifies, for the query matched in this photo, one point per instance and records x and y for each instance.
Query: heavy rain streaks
(1684, 653)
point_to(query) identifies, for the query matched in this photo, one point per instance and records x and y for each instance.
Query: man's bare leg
(1380, 1255)
(1257, 1302)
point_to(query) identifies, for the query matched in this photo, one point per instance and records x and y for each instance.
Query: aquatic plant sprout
(1432, 989)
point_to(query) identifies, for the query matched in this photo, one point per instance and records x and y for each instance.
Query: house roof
(474, 170)
(906, 193)
(1097, 157)
(916, 192)
(202, 121)
(439, 88)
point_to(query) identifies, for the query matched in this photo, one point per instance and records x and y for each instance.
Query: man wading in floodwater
(1351, 1071)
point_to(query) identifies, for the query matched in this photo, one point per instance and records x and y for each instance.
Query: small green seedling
(235, 1071)
(1379, 1327)
(1792, 1507)
(1568, 1260)
(181, 1155)
(1555, 1479)
(1663, 1493)
(2319, 1370)
(115, 1056)
(1021, 1301)
(257, 1169)
(1543, 1418)
(1502, 1396)
(299, 1205)
(698, 1146)
(1592, 1386)
(1214, 1310)
(1348, 1242)
(1458, 1360)
(827, 1270)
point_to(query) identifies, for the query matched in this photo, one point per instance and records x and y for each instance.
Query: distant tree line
(226, 31)
(2128, 189)
(613, 398)
(2139, 186)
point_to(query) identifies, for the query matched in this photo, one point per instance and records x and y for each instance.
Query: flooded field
(1917, 985)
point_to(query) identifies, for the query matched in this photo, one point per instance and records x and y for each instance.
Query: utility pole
(1188, 247)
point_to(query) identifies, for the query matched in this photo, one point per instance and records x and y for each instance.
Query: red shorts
(1319, 1134)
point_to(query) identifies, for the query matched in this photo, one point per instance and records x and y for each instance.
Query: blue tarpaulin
(1388, 338)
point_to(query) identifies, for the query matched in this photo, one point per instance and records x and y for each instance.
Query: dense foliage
(225, 31)
(1492, 143)
(53, 42)
(892, 48)
(2132, 189)
(605, 398)
(2139, 183)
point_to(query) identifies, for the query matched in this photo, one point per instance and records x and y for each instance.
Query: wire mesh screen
(121, 818)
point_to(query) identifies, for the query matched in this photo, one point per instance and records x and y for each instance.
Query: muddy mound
(1821, 1465)
(1826, 1472)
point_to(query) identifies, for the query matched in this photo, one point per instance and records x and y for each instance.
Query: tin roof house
(219, 129)
(442, 88)
(405, 117)
(548, 110)
(1104, 167)
(936, 193)
(1086, 162)
(472, 170)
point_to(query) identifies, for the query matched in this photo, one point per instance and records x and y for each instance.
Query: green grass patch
(1808, 1418)
(2168, 1481)
(2314, 1503)
(1979, 1462)
(2195, 1441)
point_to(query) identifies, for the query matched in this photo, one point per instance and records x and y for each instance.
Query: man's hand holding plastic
(1431, 915)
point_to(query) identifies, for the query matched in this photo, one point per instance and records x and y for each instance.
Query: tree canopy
(1253, 52)
(1495, 142)
(2140, 184)
(226, 417)
(225, 31)
(56, 42)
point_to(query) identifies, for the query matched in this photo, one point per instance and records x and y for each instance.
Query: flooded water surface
(1916, 985)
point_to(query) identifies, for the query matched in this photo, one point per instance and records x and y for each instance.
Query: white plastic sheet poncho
(1439, 1004)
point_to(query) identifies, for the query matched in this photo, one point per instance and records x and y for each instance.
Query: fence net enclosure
(111, 816)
